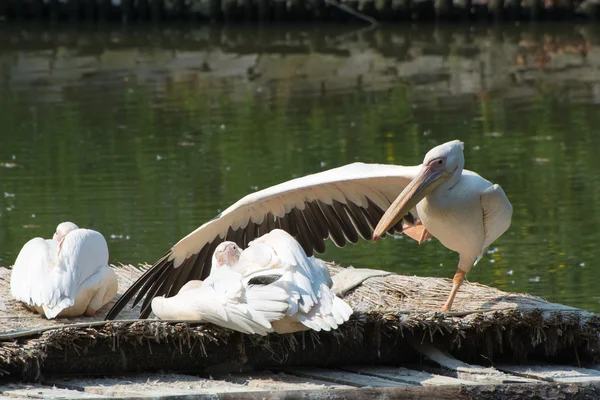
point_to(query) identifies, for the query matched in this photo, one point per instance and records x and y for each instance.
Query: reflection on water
(145, 135)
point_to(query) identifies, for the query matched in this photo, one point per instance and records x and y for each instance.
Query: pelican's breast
(455, 217)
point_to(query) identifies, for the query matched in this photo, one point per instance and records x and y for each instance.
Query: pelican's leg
(459, 277)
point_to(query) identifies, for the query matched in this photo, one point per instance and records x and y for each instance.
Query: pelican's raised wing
(340, 203)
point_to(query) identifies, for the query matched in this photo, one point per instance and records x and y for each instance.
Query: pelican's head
(441, 164)
(226, 254)
(62, 229)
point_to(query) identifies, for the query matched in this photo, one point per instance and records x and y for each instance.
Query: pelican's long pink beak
(423, 184)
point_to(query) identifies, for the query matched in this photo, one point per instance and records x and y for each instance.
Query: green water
(145, 134)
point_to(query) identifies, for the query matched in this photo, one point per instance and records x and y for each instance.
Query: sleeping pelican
(67, 276)
(343, 203)
(272, 281)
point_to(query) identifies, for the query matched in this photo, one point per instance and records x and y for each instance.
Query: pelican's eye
(437, 163)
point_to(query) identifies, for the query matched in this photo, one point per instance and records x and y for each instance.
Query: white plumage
(64, 277)
(225, 299)
(272, 285)
(305, 279)
(456, 206)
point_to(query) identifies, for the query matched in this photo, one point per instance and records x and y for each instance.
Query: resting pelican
(67, 276)
(313, 305)
(228, 299)
(271, 281)
(342, 203)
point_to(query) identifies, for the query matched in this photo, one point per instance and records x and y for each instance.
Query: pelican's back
(48, 275)
(35, 261)
(306, 279)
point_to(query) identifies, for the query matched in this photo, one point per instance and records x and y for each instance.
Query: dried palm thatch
(391, 312)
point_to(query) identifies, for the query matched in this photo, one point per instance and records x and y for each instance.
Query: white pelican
(226, 298)
(313, 305)
(271, 281)
(67, 276)
(464, 211)
(342, 203)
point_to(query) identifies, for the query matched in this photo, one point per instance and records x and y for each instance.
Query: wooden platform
(350, 382)
(394, 343)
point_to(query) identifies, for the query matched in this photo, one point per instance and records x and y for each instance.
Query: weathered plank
(43, 392)
(279, 381)
(409, 376)
(553, 373)
(345, 378)
(148, 385)
(461, 370)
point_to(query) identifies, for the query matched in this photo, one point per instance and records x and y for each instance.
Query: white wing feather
(224, 300)
(355, 182)
(306, 279)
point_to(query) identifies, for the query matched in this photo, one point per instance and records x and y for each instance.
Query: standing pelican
(464, 211)
(67, 276)
(341, 204)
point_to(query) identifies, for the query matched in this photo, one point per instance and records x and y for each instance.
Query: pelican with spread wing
(458, 207)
